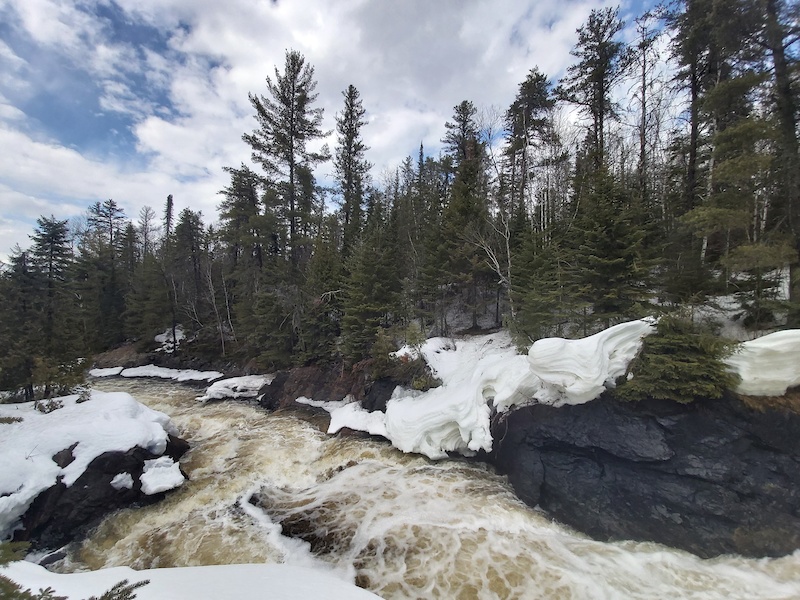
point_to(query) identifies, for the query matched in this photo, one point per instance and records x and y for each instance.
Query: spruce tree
(350, 166)
(608, 270)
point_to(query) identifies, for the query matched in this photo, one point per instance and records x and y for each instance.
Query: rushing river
(399, 525)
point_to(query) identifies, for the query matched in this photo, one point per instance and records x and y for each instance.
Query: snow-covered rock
(577, 371)
(483, 373)
(41, 450)
(235, 388)
(160, 474)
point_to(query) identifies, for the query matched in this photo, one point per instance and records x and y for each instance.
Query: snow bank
(453, 417)
(769, 365)
(110, 372)
(486, 372)
(179, 375)
(577, 371)
(220, 582)
(105, 423)
(236, 387)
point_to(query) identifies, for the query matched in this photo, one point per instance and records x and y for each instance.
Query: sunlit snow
(219, 582)
(105, 423)
(179, 375)
(236, 388)
(484, 374)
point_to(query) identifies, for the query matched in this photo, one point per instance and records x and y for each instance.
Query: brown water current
(275, 488)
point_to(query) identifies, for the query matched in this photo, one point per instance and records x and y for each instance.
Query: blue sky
(137, 99)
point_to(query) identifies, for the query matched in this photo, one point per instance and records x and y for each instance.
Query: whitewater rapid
(398, 524)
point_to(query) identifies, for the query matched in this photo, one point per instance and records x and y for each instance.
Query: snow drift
(484, 374)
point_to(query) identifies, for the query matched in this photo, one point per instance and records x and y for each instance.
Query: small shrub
(679, 362)
(9, 420)
(84, 394)
(48, 406)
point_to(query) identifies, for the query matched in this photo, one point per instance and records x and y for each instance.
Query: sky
(137, 99)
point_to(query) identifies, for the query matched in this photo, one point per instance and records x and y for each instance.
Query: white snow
(160, 474)
(219, 582)
(353, 416)
(179, 375)
(110, 372)
(577, 371)
(328, 405)
(122, 481)
(768, 365)
(453, 417)
(236, 387)
(485, 372)
(166, 340)
(107, 422)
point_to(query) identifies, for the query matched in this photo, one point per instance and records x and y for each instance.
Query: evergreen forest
(660, 171)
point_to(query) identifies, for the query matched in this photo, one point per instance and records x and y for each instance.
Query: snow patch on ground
(168, 343)
(105, 423)
(220, 582)
(236, 388)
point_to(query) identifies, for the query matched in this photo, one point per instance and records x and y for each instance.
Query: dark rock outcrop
(712, 478)
(61, 514)
(330, 383)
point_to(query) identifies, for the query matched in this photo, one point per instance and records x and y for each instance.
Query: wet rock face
(712, 478)
(318, 383)
(61, 514)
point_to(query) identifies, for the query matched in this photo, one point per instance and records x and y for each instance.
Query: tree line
(658, 171)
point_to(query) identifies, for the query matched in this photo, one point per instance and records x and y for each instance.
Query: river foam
(400, 525)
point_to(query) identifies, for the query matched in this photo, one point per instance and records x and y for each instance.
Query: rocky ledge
(61, 514)
(714, 477)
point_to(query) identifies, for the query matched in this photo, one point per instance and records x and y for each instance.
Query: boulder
(61, 514)
(714, 477)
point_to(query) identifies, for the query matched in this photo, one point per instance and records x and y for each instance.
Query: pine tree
(465, 217)
(679, 362)
(603, 60)
(287, 122)
(101, 280)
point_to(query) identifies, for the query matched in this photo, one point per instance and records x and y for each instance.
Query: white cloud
(412, 61)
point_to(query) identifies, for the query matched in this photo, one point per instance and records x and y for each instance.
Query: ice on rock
(485, 373)
(122, 481)
(352, 415)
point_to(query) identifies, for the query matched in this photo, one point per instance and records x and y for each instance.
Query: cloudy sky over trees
(137, 99)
